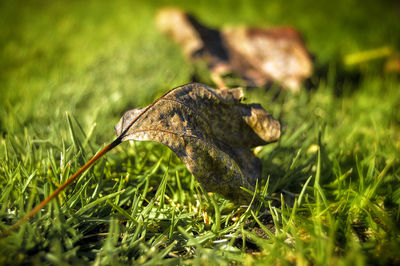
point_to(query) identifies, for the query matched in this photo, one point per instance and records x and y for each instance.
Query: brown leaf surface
(259, 55)
(210, 130)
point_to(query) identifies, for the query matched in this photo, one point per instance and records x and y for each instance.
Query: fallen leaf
(259, 55)
(210, 130)
(264, 55)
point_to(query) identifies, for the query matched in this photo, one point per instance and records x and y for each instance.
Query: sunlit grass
(329, 192)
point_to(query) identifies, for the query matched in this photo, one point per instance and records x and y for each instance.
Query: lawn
(331, 185)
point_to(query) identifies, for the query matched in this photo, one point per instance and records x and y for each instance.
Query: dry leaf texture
(210, 130)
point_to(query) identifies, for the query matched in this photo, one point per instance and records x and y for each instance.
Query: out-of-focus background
(59, 56)
(69, 69)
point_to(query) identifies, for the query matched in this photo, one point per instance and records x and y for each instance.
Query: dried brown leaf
(259, 55)
(210, 130)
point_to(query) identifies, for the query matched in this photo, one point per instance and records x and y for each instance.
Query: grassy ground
(69, 70)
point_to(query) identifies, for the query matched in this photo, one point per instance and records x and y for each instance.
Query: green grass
(331, 184)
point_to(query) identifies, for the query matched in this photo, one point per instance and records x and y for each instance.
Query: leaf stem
(78, 173)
